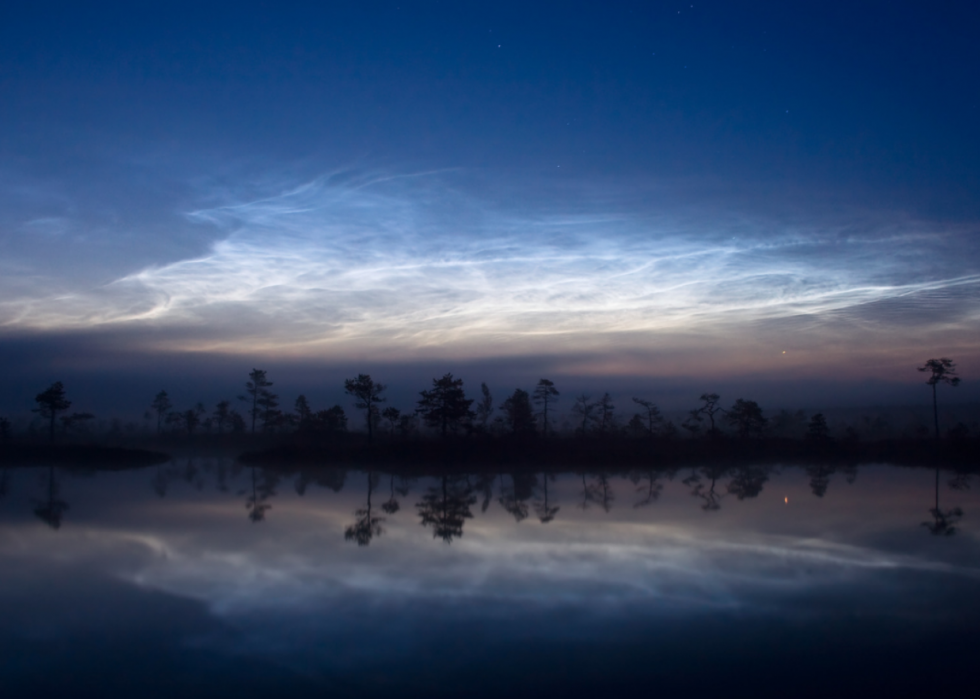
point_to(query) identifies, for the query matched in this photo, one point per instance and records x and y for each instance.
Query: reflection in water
(513, 498)
(4, 483)
(850, 572)
(366, 526)
(597, 491)
(264, 482)
(747, 481)
(648, 485)
(446, 507)
(52, 508)
(542, 508)
(707, 493)
(943, 521)
(325, 477)
(819, 478)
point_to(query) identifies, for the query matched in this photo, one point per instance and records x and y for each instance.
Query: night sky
(780, 199)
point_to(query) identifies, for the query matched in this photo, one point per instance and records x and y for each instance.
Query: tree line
(445, 410)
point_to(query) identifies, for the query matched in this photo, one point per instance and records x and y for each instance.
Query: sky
(638, 194)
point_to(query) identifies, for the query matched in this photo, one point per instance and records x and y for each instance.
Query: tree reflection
(648, 486)
(819, 478)
(446, 507)
(366, 526)
(484, 486)
(391, 505)
(703, 482)
(542, 508)
(4, 483)
(51, 510)
(514, 498)
(943, 521)
(264, 484)
(329, 478)
(597, 491)
(748, 481)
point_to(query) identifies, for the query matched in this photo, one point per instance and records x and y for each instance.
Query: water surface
(202, 576)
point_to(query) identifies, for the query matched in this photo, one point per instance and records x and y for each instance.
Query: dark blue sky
(645, 189)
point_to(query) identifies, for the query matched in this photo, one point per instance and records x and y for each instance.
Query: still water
(202, 577)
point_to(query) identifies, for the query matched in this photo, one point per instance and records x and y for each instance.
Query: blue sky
(646, 190)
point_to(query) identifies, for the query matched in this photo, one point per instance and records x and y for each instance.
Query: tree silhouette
(484, 409)
(71, 422)
(585, 410)
(161, 406)
(304, 414)
(445, 406)
(366, 526)
(50, 402)
(4, 429)
(545, 394)
(391, 416)
(709, 410)
(542, 508)
(518, 415)
(746, 417)
(817, 431)
(653, 418)
(605, 419)
(941, 371)
(258, 394)
(446, 508)
(366, 394)
(52, 509)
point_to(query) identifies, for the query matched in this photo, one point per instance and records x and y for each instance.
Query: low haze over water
(202, 575)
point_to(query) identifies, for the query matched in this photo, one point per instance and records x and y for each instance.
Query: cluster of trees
(445, 409)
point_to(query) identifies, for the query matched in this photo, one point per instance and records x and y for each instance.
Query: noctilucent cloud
(660, 187)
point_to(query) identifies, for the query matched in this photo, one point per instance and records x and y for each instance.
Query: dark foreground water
(202, 578)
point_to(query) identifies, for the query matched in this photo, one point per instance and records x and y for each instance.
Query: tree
(519, 416)
(68, 422)
(653, 418)
(51, 402)
(257, 388)
(605, 418)
(817, 431)
(545, 394)
(445, 407)
(367, 394)
(161, 406)
(746, 417)
(584, 409)
(304, 414)
(222, 415)
(4, 429)
(391, 416)
(709, 409)
(484, 409)
(942, 371)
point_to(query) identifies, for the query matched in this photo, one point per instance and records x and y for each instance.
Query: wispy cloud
(413, 261)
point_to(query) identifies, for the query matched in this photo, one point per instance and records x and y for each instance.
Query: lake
(203, 577)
